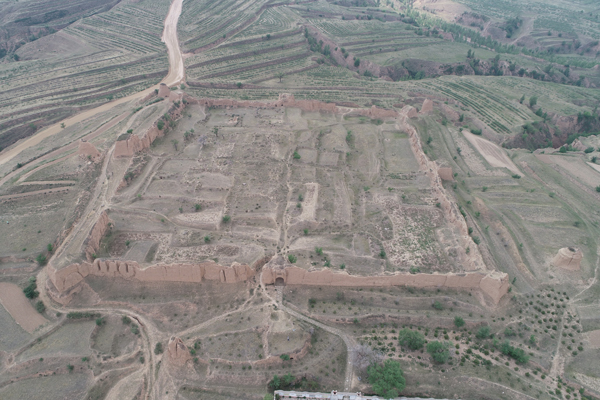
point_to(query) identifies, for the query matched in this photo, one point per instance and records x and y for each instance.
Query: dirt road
(175, 76)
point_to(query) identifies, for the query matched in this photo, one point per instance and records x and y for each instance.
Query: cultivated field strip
(498, 113)
(203, 24)
(272, 20)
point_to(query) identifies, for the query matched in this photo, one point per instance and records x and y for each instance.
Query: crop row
(341, 30)
(272, 20)
(254, 61)
(102, 41)
(212, 26)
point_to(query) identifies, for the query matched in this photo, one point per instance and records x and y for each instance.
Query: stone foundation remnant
(568, 258)
(163, 90)
(87, 150)
(427, 107)
(178, 353)
(445, 173)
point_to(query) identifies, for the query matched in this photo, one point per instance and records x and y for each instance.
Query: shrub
(160, 124)
(158, 349)
(285, 382)
(226, 218)
(598, 188)
(518, 354)
(437, 305)
(30, 291)
(459, 322)
(81, 315)
(533, 101)
(588, 150)
(439, 351)
(292, 258)
(126, 320)
(206, 239)
(387, 379)
(41, 259)
(285, 357)
(40, 307)
(414, 340)
(296, 156)
(476, 132)
(319, 251)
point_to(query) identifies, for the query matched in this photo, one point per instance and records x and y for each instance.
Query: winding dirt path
(176, 75)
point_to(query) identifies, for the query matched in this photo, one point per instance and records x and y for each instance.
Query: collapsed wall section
(92, 244)
(133, 144)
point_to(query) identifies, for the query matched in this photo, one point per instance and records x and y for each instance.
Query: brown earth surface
(19, 307)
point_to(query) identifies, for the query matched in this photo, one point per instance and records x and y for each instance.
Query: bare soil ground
(492, 153)
(20, 308)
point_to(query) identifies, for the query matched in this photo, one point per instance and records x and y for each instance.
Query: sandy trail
(34, 193)
(17, 305)
(128, 387)
(175, 75)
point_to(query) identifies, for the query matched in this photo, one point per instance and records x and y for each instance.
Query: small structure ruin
(568, 258)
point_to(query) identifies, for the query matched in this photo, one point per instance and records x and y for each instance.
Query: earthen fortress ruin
(476, 277)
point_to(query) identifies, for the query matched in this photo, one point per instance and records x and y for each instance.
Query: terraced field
(98, 58)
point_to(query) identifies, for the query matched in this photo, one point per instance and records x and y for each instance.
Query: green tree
(533, 101)
(414, 340)
(30, 291)
(439, 351)
(40, 307)
(437, 305)
(387, 379)
(280, 76)
(158, 348)
(41, 259)
(483, 332)
(522, 99)
(459, 322)
(292, 258)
